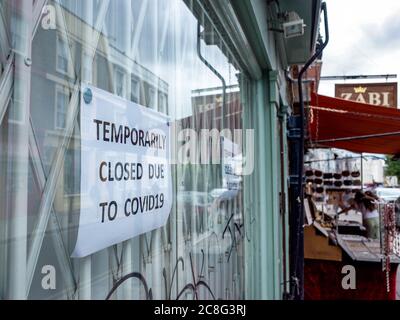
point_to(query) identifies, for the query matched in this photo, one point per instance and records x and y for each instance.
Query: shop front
(102, 104)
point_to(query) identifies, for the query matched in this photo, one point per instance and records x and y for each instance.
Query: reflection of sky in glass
(167, 47)
(161, 36)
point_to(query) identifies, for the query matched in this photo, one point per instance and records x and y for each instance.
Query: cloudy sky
(364, 39)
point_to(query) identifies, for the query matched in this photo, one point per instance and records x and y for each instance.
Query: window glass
(120, 82)
(62, 99)
(135, 90)
(146, 52)
(152, 98)
(62, 55)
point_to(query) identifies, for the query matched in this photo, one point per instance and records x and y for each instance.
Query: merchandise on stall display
(337, 176)
(338, 183)
(345, 173)
(348, 182)
(318, 181)
(319, 190)
(318, 173)
(309, 173)
(355, 174)
(328, 175)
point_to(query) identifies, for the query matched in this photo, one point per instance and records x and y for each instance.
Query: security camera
(293, 28)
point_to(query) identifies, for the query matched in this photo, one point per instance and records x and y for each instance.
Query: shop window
(62, 101)
(164, 82)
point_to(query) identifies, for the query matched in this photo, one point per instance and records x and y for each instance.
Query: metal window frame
(56, 234)
(5, 44)
(6, 86)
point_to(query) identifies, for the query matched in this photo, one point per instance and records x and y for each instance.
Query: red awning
(353, 126)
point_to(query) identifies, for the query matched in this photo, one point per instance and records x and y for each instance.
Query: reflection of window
(96, 6)
(19, 40)
(62, 100)
(87, 68)
(74, 6)
(48, 154)
(120, 82)
(62, 56)
(115, 25)
(71, 181)
(152, 98)
(162, 102)
(135, 89)
(17, 111)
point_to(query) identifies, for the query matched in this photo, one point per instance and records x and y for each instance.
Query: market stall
(331, 245)
(334, 245)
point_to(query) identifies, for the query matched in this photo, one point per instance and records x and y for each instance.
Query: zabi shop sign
(379, 94)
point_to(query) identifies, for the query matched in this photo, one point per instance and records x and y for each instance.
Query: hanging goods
(318, 181)
(355, 174)
(388, 236)
(338, 184)
(337, 176)
(318, 173)
(328, 176)
(345, 173)
(348, 182)
(309, 173)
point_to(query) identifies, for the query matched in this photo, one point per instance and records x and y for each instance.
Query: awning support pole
(362, 171)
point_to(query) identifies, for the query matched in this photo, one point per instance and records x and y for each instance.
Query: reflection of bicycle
(137, 275)
(196, 282)
(194, 287)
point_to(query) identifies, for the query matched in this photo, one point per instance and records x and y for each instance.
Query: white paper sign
(231, 160)
(126, 186)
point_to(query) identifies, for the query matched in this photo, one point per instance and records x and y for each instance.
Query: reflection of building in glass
(206, 122)
(112, 70)
(212, 98)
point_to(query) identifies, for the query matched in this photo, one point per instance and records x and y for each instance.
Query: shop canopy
(353, 126)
